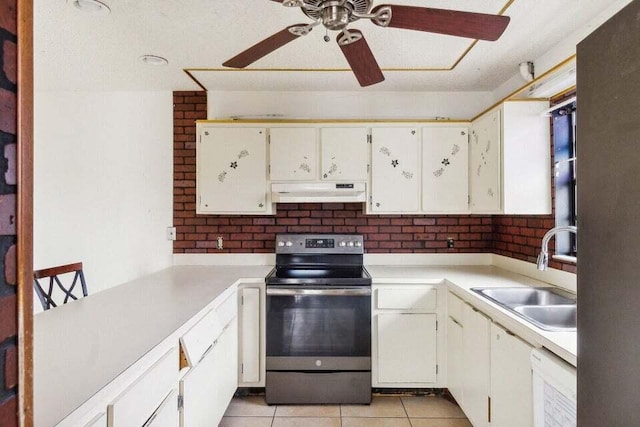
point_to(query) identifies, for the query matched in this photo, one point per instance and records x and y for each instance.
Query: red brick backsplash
(516, 237)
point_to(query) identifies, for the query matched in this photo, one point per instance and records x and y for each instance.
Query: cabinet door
(485, 163)
(406, 348)
(445, 168)
(231, 170)
(344, 154)
(208, 388)
(477, 366)
(395, 171)
(455, 351)
(293, 154)
(167, 415)
(511, 380)
(99, 421)
(250, 335)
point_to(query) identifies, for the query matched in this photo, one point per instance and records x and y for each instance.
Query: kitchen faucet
(543, 257)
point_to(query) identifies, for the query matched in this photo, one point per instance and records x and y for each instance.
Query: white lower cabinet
(511, 380)
(406, 348)
(476, 366)
(99, 421)
(251, 336)
(167, 415)
(455, 352)
(208, 387)
(135, 405)
(405, 336)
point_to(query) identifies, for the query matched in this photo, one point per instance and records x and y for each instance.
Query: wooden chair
(46, 298)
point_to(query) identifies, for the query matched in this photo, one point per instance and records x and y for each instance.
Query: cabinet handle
(208, 350)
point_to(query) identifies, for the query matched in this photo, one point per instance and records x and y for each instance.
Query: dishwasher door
(554, 390)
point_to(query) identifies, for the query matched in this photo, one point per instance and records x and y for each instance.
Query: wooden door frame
(25, 211)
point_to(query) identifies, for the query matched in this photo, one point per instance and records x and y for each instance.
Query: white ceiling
(77, 51)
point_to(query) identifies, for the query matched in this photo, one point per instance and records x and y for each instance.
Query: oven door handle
(340, 292)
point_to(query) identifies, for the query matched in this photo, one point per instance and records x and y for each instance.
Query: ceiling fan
(338, 14)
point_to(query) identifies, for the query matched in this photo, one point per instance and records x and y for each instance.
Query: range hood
(318, 192)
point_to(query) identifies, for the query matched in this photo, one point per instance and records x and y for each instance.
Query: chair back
(47, 298)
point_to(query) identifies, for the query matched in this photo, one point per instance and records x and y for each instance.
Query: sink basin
(548, 308)
(513, 297)
(551, 317)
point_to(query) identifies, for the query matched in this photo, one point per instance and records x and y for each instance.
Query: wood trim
(529, 84)
(328, 121)
(25, 211)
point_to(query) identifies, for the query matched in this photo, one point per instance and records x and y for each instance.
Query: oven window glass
(315, 325)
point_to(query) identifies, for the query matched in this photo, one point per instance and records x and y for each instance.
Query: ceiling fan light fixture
(153, 60)
(94, 7)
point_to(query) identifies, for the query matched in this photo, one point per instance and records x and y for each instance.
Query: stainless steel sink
(513, 297)
(550, 317)
(548, 308)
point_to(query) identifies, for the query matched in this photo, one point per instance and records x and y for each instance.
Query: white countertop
(84, 345)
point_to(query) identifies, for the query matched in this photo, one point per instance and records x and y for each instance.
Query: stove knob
(281, 243)
(342, 244)
(289, 243)
(350, 244)
(358, 244)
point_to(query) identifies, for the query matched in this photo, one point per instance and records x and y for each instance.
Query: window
(564, 147)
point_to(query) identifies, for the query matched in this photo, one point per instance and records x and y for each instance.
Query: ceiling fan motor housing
(336, 14)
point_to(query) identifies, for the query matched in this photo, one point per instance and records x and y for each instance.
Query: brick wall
(8, 301)
(516, 237)
(198, 233)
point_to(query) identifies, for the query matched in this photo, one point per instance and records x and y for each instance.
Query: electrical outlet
(450, 243)
(171, 233)
(220, 243)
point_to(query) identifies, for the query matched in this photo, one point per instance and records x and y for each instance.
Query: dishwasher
(554, 390)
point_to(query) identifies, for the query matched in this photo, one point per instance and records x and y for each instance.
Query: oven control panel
(320, 243)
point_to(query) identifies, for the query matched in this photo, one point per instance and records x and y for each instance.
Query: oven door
(318, 329)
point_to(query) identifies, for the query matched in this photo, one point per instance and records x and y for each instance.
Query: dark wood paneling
(609, 223)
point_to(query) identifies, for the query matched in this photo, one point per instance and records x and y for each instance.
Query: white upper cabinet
(510, 160)
(293, 154)
(344, 154)
(484, 164)
(445, 165)
(526, 155)
(395, 173)
(232, 170)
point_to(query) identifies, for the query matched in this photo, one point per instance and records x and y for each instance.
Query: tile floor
(384, 411)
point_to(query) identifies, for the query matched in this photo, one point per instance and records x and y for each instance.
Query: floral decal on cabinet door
(332, 169)
(222, 176)
(395, 162)
(447, 161)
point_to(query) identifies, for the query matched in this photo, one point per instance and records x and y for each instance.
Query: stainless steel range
(318, 321)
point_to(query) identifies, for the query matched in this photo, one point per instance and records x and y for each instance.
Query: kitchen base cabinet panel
(511, 380)
(455, 351)
(134, 406)
(406, 348)
(251, 337)
(208, 388)
(476, 366)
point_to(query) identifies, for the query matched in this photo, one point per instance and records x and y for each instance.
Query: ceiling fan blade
(360, 58)
(266, 46)
(442, 21)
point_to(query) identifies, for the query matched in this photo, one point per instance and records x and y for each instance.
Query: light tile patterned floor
(384, 411)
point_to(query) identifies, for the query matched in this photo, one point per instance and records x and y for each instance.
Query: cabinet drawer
(454, 307)
(98, 421)
(408, 298)
(137, 403)
(167, 414)
(200, 337)
(227, 310)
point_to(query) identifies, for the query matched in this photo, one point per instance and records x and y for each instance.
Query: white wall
(348, 105)
(103, 183)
